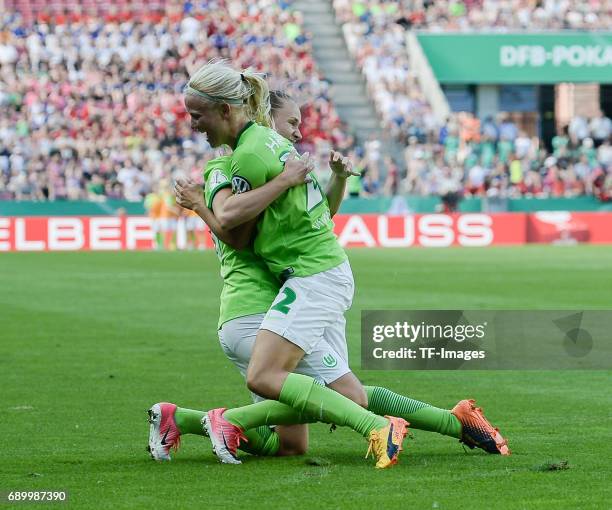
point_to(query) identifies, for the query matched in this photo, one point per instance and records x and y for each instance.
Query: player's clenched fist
(296, 170)
(189, 194)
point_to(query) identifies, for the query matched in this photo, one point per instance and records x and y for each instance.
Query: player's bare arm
(243, 207)
(341, 168)
(241, 234)
(189, 195)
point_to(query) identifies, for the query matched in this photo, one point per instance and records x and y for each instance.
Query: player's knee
(290, 446)
(356, 394)
(364, 401)
(261, 382)
(254, 382)
(292, 450)
(361, 398)
(296, 450)
(301, 449)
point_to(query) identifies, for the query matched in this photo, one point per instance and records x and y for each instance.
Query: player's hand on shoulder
(341, 165)
(297, 169)
(189, 194)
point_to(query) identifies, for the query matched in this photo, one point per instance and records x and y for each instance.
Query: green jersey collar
(246, 126)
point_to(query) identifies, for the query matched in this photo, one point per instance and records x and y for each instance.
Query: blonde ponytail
(218, 82)
(258, 103)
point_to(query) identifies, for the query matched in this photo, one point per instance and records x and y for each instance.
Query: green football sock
(420, 415)
(189, 421)
(323, 404)
(266, 412)
(261, 440)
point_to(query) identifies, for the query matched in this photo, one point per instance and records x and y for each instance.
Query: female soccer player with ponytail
(295, 241)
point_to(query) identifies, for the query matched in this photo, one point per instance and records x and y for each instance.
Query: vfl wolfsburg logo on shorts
(329, 361)
(240, 185)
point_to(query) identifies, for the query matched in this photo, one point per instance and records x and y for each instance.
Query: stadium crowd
(494, 157)
(91, 105)
(463, 155)
(467, 157)
(375, 35)
(91, 102)
(477, 15)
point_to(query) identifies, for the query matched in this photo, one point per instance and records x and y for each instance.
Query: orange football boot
(476, 431)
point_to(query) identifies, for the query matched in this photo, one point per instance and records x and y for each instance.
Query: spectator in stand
(449, 189)
(578, 129)
(604, 192)
(604, 153)
(522, 145)
(391, 185)
(600, 128)
(371, 182)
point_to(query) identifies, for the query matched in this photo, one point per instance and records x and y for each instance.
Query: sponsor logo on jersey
(329, 361)
(215, 178)
(240, 185)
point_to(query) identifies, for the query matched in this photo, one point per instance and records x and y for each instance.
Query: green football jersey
(248, 285)
(295, 234)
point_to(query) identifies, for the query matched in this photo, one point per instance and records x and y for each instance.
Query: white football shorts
(309, 311)
(237, 337)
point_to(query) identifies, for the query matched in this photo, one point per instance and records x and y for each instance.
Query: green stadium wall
(415, 204)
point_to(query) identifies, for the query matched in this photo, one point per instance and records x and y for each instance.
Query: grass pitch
(88, 341)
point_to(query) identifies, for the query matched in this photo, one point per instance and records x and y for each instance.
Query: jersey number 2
(283, 305)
